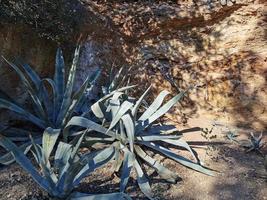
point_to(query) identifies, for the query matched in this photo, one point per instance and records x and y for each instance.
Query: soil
(239, 175)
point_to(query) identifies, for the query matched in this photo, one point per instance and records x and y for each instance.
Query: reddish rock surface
(171, 45)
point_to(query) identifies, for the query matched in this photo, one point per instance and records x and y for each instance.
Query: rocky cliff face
(20, 42)
(221, 49)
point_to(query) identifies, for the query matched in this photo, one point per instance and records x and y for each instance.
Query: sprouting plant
(231, 135)
(62, 171)
(207, 133)
(53, 100)
(131, 131)
(254, 144)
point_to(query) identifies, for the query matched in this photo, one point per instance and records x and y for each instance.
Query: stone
(220, 48)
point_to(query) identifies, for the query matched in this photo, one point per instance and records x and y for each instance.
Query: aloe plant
(132, 132)
(62, 172)
(50, 109)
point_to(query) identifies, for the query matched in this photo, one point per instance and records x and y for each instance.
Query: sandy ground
(240, 174)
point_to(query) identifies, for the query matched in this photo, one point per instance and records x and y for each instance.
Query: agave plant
(116, 80)
(59, 110)
(254, 144)
(50, 109)
(132, 132)
(231, 135)
(63, 171)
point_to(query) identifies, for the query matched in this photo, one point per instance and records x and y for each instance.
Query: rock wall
(20, 42)
(221, 49)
